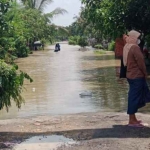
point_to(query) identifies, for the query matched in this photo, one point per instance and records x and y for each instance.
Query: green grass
(100, 52)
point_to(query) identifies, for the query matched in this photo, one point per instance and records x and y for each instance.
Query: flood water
(60, 78)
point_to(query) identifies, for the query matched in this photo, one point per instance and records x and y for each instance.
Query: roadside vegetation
(21, 24)
(102, 22)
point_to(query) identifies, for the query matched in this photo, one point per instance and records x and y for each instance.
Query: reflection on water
(52, 142)
(110, 92)
(60, 78)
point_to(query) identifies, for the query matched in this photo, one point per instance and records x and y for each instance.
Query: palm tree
(36, 4)
(40, 5)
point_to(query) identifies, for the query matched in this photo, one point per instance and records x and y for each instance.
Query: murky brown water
(60, 77)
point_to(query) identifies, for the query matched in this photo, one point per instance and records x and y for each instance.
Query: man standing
(136, 75)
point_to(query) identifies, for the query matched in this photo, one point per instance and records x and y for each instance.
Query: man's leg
(133, 119)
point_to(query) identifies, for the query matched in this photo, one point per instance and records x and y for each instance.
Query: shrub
(82, 42)
(111, 46)
(22, 51)
(98, 46)
(21, 48)
(72, 42)
(11, 83)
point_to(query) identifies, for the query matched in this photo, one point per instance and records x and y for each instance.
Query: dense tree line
(106, 19)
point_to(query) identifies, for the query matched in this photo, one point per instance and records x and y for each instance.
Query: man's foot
(139, 121)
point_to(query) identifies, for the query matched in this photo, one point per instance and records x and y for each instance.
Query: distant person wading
(57, 47)
(136, 75)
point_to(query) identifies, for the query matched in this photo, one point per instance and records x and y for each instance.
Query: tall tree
(40, 5)
(36, 4)
(113, 18)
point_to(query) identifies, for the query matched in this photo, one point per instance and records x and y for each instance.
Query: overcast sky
(72, 6)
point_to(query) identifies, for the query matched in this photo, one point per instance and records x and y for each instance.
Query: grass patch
(100, 52)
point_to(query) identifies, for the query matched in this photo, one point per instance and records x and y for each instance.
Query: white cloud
(72, 6)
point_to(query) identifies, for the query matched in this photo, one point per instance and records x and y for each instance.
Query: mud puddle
(45, 143)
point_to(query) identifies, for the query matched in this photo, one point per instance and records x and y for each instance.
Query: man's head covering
(130, 41)
(134, 33)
